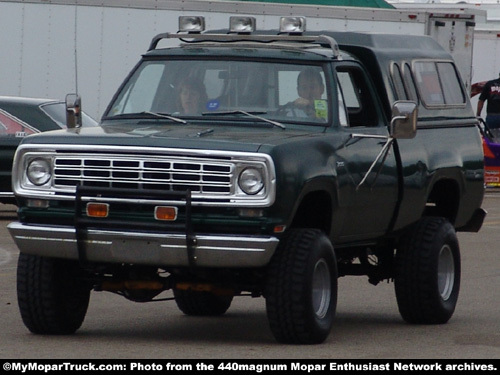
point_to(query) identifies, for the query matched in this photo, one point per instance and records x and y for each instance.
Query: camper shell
(386, 56)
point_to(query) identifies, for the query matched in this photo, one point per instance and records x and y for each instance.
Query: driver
(192, 97)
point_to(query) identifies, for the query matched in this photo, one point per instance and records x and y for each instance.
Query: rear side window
(438, 83)
(410, 83)
(397, 79)
(452, 89)
(403, 82)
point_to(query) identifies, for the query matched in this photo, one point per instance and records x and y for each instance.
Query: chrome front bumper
(6, 194)
(158, 249)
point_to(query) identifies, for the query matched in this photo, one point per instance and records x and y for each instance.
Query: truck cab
(263, 163)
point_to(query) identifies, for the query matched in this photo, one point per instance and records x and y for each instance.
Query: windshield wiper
(165, 115)
(138, 115)
(249, 114)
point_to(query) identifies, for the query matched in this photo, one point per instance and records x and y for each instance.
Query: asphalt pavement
(367, 325)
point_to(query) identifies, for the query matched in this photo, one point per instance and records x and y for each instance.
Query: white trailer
(486, 49)
(486, 54)
(486, 57)
(53, 47)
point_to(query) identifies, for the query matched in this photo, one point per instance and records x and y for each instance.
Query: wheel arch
(315, 207)
(444, 199)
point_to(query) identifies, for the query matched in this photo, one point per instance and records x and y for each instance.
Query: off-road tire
(427, 275)
(304, 262)
(53, 297)
(201, 303)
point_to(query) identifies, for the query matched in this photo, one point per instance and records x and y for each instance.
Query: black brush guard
(94, 194)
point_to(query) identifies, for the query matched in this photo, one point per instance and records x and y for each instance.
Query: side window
(350, 91)
(409, 82)
(428, 83)
(438, 83)
(397, 80)
(356, 96)
(11, 126)
(452, 88)
(342, 108)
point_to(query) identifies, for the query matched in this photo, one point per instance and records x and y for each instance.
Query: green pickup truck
(243, 162)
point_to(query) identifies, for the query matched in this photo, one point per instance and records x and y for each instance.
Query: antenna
(75, 43)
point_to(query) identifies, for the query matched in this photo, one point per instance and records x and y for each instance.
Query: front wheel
(52, 294)
(427, 279)
(301, 291)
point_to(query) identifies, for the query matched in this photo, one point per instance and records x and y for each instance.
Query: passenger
(191, 97)
(309, 88)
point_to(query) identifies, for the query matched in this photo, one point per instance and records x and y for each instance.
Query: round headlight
(38, 172)
(251, 181)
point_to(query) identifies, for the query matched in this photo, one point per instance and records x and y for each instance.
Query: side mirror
(73, 111)
(404, 120)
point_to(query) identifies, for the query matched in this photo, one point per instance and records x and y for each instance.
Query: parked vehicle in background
(19, 118)
(219, 171)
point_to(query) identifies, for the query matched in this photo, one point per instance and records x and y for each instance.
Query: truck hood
(218, 137)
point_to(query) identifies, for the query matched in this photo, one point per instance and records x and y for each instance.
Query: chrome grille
(211, 175)
(200, 175)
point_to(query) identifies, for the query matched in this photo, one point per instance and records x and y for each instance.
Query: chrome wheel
(321, 289)
(446, 272)
(427, 274)
(301, 290)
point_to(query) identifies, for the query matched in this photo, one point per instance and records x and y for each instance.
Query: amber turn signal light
(97, 209)
(167, 213)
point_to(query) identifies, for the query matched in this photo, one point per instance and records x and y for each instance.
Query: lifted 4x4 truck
(256, 192)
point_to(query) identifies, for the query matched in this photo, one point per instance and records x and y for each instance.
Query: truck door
(366, 162)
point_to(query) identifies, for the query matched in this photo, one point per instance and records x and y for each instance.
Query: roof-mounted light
(245, 25)
(191, 24)
(292, 25)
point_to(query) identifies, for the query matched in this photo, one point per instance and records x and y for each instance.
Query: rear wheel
(301, 292)
(52, 295)
(427, 280)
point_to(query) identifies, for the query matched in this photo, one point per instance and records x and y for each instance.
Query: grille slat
(140, 172)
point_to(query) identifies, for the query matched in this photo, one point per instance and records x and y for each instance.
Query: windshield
(57, 111)
(32, 118)
(195, 88)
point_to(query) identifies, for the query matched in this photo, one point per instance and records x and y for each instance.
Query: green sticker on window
(321, 109)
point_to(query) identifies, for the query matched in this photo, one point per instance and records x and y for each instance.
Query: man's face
(310, 89)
